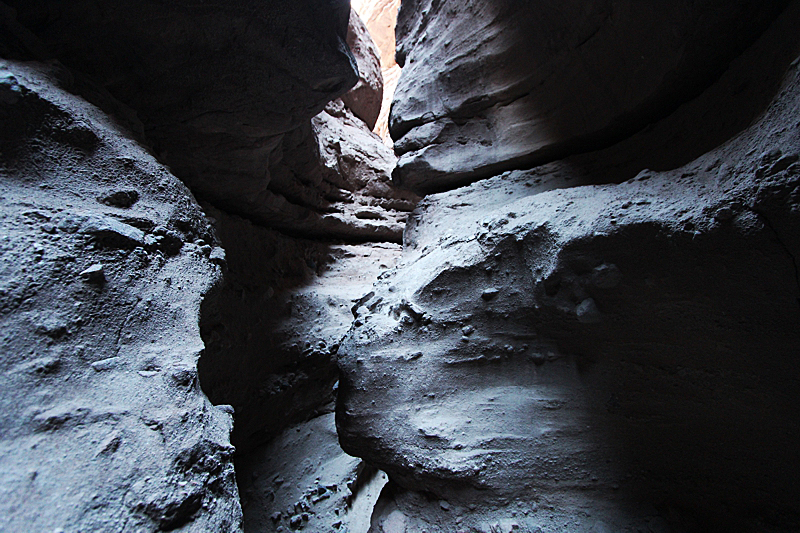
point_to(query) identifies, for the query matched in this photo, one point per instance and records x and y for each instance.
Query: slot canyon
(418, 266)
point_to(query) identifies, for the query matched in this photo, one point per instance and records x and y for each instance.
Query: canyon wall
(601, 336)
(225, 306)
(128, 303)
(510, 85)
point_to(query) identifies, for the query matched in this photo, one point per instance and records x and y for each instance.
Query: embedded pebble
(93, 273)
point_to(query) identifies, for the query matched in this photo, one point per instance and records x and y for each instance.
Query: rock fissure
(225, 305)
(785, 248)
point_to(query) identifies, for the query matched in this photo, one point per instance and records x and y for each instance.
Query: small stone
(468, 330)
(226, 409)
(490, 294)
(606, 276)
(110, 230)
(275, 517)
(94, 273)
(587, 312)
(184, 376)
(217, 256)
(105, 364)
(444, 505)
(296, 521)
(724, 213)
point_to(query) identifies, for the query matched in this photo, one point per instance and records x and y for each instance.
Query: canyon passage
(400, 266)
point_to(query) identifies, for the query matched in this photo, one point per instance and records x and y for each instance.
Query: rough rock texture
(365, 99)
(193, 85)
(199, 76)
(114, 221)
(273, 329)
(333, 177)
(380, 17)
(103, 264)
(493, 86)
(554, 354)
(321, 489)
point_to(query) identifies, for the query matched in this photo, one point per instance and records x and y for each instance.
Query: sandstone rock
(365, 99)
(541, 401)
(86, 442)
(492, 86)
(280, 314)
(380, 17)
(199, 78)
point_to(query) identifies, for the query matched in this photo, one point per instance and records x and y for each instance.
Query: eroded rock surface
(380, 17)
(552, 353)
(323, 490)
(366, 97)
(493, 86)
(104, 261)
(217, 86)
(103, 335)
(280, 315)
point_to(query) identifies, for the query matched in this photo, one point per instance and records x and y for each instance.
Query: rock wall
(380, 17)
(592, 326)
(606, 342)
(366, 97)
(104, 262)
(509, 84)
(125, 301)
(189, 74)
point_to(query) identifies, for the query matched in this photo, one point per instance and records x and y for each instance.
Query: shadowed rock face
(592, 344)
(107, 256)
(217, 86)
(491, 86)
(605, 342)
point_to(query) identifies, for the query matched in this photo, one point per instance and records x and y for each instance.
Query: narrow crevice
(795, 265)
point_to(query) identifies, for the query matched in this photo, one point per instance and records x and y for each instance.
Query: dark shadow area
(263, 354)
(701, 396)
(567, 79)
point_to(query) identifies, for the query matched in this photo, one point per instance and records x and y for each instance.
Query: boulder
(366, 98)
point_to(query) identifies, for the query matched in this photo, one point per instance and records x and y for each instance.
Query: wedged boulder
(491, 86)
(105, 258)
(366, 98)
(560, 355)
(331, 178)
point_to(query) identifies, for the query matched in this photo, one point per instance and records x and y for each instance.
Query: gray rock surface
(219, 89)
(104, 425)
(604, 342)
(551, 354)
(303, 480)
(493, 86)
(273, 328)
(365, 99)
